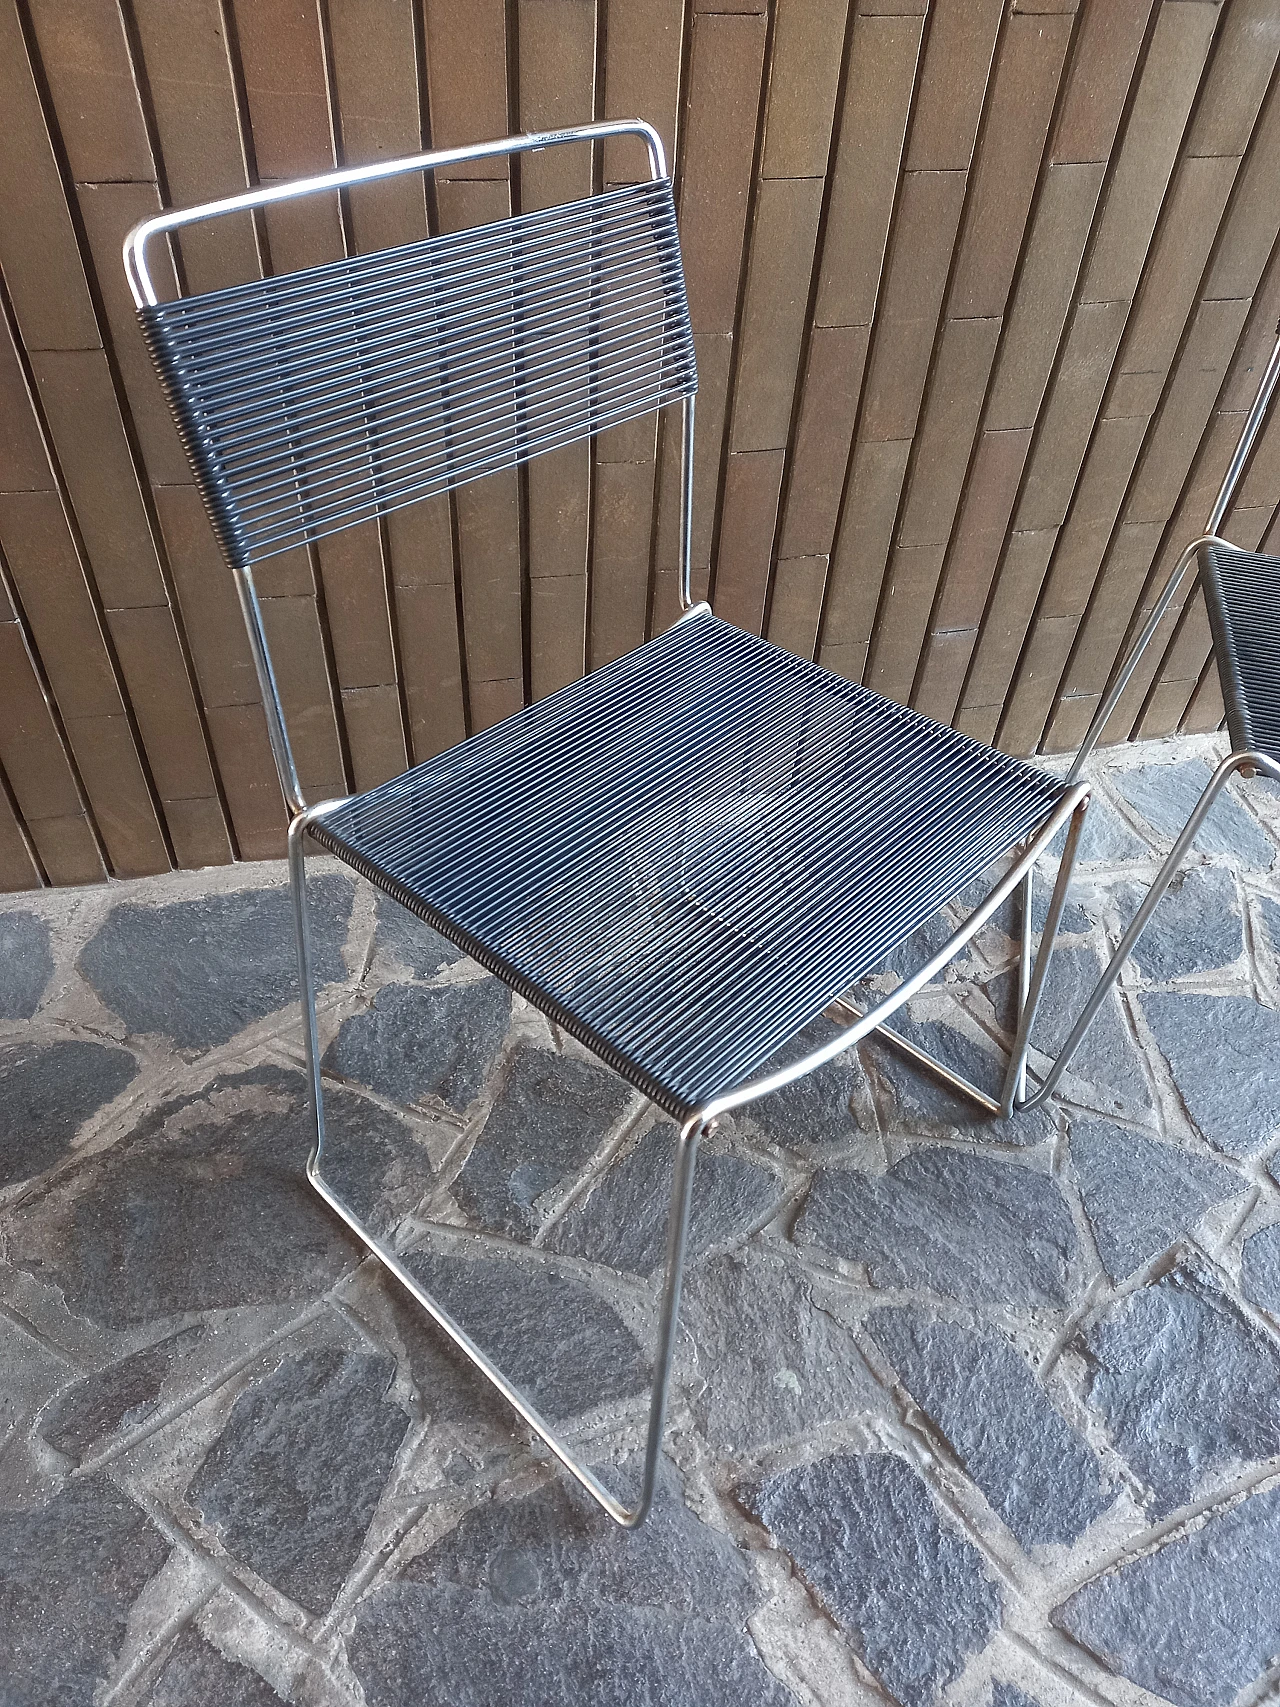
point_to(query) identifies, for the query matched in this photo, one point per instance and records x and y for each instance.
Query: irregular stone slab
(1034, 1469)
(533, 1601)
(1198, 1620)
(1270, 911)
(922, 1103)
(69, 1572)
(26, 963)
(414, 944)
(1074, 921)
(446, 1648)
(1196, 927)
(1165, 795)
(293, 1481)
(1009, 1695)
(1222, 1051)
(563, 1346)
(911, 1593)
(47, 1092)
(624, 1220)
(207, 1206)
(816, 1109)
(1187, 1388)
(199, 971)
(769, 1362)
(32, 1374)
(413, 1043)
(1260, 1269)
(1141, 1196)
(1105, 840)
(550, 1116)
(980, 1230)
(1107, 1057)
(120, 1396)
(196, 1672)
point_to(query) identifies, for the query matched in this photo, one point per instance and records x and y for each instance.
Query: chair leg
(1015, 1076)
(957, 1082)
(1024, 964)
(629, 1517)
(1233, 762)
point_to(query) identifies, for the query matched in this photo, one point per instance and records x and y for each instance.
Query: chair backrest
(319, 399)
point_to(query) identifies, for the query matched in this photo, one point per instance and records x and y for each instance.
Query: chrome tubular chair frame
(1068, 809)
(1243, 759)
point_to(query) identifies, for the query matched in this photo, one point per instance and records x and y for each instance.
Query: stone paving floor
(966, 1413)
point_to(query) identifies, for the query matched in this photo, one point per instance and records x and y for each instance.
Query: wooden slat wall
(980, 290)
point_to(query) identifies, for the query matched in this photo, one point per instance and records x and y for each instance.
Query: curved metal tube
(1232, 763)
(691, 1133)
(135, 264)
(849, 1035)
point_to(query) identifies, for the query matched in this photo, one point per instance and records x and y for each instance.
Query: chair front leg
(694, 1129)
(1217, 782)
(1015, 1077)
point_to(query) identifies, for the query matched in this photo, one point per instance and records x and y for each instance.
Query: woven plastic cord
(317, 400)
(686, 856)
(1242, 591)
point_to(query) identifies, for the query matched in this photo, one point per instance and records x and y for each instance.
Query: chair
(687, 856)
(1242, 593)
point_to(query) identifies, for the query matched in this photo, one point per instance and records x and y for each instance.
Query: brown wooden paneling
(643, 46)
(724, 101)
(979, 293)
(186, 60)
(39, 255)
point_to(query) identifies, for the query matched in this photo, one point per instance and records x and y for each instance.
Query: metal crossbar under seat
(688, 855)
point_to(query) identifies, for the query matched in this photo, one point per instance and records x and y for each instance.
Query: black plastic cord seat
(686, 856)
(1242, 591)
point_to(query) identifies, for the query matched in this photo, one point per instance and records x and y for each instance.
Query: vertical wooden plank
(749, 514)
(39, 255)
(620, 558)
(1103, 62)
(772, 327)
(80, 406)
(36, 765)
(883, 56)
(109, 213)
(1170, 77)
(375, 76)
(804, 76)
(1024, 86)
(65, 628)
(188, 73)
(17, 868)
(421, 541)
(467, 78)
(86, 63)
(724, 97)
(556, 89)
(488, 514)
(643, 46)
(965, 354)
(224, 670)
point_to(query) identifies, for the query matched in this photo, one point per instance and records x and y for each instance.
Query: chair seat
(686, 856)
(1242, 591)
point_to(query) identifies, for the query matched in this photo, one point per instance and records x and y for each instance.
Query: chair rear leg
(629, 1517)
(1217, 782)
